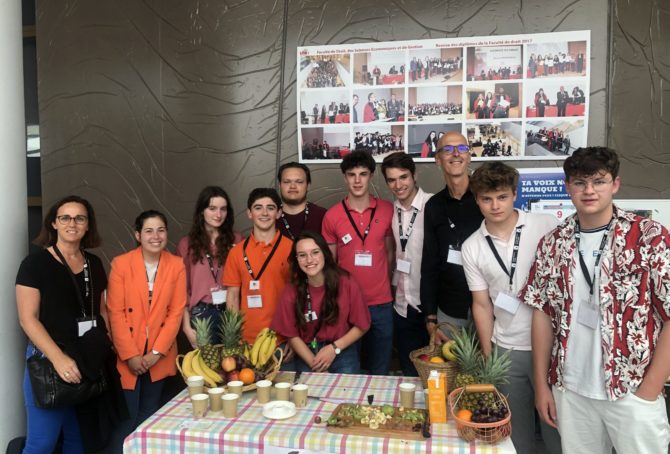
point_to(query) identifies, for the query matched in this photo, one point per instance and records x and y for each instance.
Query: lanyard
(515, 253)
(582, 264)
(215, 273)
(288, 227)
(353, 224)
(88, 280)
(267, 260)
(314, 344)
(150, 282)
(404, 238)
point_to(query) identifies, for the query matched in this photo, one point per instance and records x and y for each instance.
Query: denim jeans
(410, 334)
(45, 425)
(213, 312)
(378, 341)
(347, 362)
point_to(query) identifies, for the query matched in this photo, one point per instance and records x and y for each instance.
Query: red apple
(228, 364)
(424, 357)
(233, 376)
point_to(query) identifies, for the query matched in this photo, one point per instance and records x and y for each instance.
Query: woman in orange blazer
(146, 295)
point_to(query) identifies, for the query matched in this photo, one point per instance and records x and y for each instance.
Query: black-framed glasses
(79, 219)
(460, 148)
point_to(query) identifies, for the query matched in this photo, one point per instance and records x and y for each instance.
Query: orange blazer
(134, 323)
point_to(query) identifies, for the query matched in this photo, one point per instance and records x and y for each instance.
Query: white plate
(279, 409)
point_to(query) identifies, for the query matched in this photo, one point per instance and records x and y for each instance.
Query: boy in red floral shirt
(600, 336)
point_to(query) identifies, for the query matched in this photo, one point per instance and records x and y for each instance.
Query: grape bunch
(486, 413)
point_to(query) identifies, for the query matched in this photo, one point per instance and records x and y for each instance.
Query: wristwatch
(336, 348)
(156, 352)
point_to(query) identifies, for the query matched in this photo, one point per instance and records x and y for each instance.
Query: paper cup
(215, 403)
(230, 401)
(195, 384)
(407, 391)
(300, 395)
(263, 388)
(200, 403)
(235, 387)
(282, 391)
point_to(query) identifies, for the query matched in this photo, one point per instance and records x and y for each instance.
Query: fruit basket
(423, 367)
(491, 419)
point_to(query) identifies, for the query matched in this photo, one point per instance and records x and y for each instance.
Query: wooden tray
(382, 431)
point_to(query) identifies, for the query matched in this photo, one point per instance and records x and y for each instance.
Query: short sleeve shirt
(299, 222)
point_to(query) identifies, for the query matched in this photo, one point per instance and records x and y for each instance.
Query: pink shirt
(352, 312)
(337, 229)
(199, 279)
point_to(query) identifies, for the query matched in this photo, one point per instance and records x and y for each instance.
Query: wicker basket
(486, 432)
(272, 367)
(423, 367)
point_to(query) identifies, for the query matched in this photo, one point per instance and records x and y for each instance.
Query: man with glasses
(601, 342)
(451, 216)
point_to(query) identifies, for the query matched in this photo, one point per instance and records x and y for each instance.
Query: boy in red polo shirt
(257, 269)
(358, 232)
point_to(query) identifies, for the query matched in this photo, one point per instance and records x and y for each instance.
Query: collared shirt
(633, 289)
(408, 284)
(337, 229)
(272, 282)
(483, 272)
(448, 223)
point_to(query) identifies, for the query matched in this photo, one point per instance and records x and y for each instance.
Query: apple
(233, 376)
(424, 357)
(228, 364)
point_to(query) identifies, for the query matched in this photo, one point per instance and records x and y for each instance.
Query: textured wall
(143, 103)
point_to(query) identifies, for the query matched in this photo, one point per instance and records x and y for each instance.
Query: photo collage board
(515, 97)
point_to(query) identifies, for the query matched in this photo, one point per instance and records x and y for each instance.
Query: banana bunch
(193, 364)
(264, 346)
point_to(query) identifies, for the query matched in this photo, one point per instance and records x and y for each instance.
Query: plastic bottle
(437, 397)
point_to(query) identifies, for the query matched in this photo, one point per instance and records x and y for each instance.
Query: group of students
(583, 313)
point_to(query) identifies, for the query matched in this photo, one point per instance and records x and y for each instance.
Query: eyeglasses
(461, 148)
(302, 256)
(598, 185)
(79, 219)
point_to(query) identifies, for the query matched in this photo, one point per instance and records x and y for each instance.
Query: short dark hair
(493, 176)
(260, 193)
(358, 159)
(588, 161)
(398, 160)
(148, 214)
(48, 235)
(369, 95)
(294, 165)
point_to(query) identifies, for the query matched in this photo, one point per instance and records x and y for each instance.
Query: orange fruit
(463, 414)
(247, 376)
(436, 359)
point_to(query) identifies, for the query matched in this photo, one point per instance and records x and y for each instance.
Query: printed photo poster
(542, 190)
(515, 97)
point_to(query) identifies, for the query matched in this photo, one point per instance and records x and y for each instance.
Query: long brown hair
(198, 240)
(330, 310)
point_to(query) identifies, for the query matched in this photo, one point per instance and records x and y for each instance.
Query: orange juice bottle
(437, 397)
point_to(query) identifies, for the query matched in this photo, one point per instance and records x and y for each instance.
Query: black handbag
(49, 390)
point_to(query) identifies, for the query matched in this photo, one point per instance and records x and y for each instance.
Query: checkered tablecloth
(172, 428)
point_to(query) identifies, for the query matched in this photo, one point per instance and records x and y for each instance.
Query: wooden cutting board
(384, 430)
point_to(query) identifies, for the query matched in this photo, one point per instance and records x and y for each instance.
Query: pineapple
(494, 371)
(230, 331)
(210, 353)
(469, 359)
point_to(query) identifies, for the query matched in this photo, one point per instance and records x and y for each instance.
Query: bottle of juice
(437, 397)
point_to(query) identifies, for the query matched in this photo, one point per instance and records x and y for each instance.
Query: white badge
(363, 258)
(454, 256)
(507, 303)
(346, 238)
(403, 265)
(219, 295)
(588, 315)
(254, 301)
(254, 285)
(85, 325)
(310, 316)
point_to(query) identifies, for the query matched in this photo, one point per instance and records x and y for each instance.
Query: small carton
(437, 397)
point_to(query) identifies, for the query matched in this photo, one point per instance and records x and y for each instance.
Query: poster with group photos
(515, 97)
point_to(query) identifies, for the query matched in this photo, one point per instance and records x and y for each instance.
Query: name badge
(254, 285)
(85, 325)
(403, 265)
(310, 316)
(588, 315)
(454, 256)
(507, 303)
(363, 258)
(254, 301)
(219, 295)
(346, 238)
